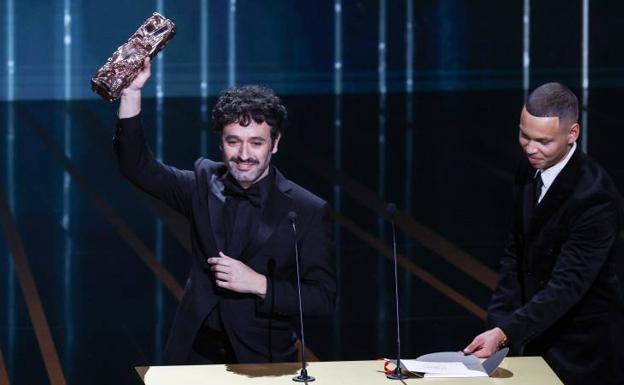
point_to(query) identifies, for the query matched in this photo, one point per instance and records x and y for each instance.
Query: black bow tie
(233, 189)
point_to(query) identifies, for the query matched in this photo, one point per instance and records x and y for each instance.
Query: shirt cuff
(266, 305)
(127, 126)
(130, 122)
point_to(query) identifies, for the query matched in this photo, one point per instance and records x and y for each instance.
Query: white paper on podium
(454, 364)
(441, 369)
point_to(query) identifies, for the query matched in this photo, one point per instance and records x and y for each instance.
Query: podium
(513, 370)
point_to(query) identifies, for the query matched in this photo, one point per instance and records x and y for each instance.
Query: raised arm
(136, 161)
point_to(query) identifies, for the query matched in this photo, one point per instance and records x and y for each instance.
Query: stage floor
(83, 235)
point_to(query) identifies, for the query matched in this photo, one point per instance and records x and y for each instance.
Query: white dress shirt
(549, 174)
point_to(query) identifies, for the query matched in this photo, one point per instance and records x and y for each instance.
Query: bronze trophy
(126, 63)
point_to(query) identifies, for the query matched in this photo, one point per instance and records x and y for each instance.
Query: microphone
(303, 375)
(391, 211)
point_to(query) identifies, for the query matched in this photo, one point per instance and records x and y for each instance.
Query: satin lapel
(558, 192)
(215, 205)
(277, 206)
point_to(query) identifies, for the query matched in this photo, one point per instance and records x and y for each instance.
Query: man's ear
(276, 143)
(574, 133)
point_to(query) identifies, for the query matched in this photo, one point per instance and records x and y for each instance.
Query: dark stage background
(412, 102)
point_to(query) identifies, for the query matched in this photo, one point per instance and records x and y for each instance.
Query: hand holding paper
(486, 343)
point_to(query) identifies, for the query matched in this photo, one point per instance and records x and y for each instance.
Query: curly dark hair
(242, 104)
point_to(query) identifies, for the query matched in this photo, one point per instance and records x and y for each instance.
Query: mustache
(238, 159)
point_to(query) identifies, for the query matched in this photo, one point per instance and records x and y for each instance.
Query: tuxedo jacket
(259, 330)
(558, 295)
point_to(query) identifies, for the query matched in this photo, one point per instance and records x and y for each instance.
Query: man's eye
(544, 142)
(256, 143)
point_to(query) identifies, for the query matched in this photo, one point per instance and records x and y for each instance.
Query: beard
(251, 176)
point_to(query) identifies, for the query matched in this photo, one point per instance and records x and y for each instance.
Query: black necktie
(532, 192)
(538, 187)
(252, 194)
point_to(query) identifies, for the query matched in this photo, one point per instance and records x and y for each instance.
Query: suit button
(529, 274)
(542, 282)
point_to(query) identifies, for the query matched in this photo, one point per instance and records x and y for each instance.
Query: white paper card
(441, 369)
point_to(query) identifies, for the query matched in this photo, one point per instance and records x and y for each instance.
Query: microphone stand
(396, 374)
(303, 375)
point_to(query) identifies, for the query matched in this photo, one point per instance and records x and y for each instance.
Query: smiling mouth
(244, 166)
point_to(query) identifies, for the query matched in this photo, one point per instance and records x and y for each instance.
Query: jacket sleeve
(318, 281)
(137, 163)
(582, 256)
(507, 297)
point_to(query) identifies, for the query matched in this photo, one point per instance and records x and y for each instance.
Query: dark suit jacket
(258, 330)
(558, 294)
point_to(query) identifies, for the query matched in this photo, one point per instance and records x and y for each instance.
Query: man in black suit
(241, 293)
(558, 295)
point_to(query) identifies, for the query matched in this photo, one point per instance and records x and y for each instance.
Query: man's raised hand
(130, 103)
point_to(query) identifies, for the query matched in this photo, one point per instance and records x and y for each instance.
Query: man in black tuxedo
(241, 291)
(558, 295)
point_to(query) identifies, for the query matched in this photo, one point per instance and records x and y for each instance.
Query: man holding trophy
(241, 291)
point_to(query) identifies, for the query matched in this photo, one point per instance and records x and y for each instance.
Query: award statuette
(126, 63)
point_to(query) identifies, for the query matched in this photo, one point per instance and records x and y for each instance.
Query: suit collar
(550, 174)
(558, 192)
(282, 184)
(278, 203)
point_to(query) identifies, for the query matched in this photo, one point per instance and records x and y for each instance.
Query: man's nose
(243, 152)
(530, 147)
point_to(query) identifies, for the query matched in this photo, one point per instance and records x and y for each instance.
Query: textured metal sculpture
(126, 63)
